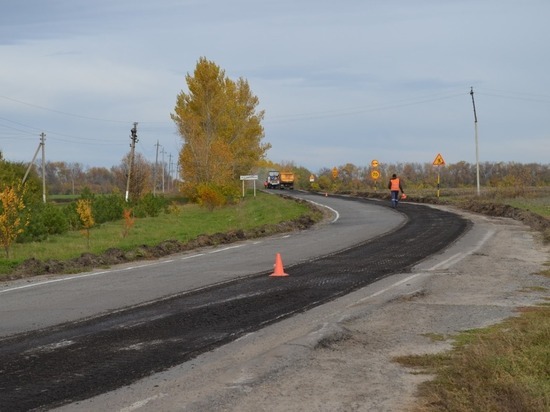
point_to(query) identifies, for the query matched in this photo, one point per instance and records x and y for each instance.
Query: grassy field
(183, 224)
(536, 200)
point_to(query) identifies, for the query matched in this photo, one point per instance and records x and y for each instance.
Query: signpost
(250, 177)
(375, 174)
(438, 161)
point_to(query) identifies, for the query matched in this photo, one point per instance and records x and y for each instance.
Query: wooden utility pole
(40, 145)
(477, 149)
(134, 139)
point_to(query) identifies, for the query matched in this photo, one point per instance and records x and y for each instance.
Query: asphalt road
(42, 302)
(111, 328)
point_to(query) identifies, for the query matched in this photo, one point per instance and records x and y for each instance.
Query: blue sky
(340, 82)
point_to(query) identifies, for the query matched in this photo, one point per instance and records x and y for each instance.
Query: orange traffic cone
(279, 271)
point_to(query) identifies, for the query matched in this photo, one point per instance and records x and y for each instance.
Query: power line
(541, 98)
(355, 111)
(79, 116)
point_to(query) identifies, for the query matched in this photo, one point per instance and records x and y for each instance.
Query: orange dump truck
(287, 180)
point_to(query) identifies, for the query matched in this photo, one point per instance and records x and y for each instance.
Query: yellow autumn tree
(84, 210)
(12, 222)
(221, 129)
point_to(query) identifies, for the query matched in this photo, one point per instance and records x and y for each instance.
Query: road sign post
(250, 177)
(438, 161)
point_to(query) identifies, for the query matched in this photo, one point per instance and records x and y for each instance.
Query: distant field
(536, 200)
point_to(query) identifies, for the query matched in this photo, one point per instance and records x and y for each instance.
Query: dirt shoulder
(339, 356)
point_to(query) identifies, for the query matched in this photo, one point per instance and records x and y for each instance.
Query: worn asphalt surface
(78, 360)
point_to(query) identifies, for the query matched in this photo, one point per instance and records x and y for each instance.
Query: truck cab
(273, 180)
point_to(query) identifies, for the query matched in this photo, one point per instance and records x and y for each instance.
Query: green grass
(183, 224)
(539, 205)
(505, 367)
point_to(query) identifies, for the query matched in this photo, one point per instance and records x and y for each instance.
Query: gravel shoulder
(338, 357)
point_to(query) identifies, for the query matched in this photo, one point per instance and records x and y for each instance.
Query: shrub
(210, 196)
(44, 219)
(108, 208)
(150, 205)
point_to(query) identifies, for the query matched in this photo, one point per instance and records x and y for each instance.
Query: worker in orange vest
(395, 187)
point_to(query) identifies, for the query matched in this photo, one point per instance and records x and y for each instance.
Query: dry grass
(501, 368)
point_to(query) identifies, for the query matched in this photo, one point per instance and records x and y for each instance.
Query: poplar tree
(220, 127)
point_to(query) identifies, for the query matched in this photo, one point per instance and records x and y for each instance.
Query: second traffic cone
(279, 270)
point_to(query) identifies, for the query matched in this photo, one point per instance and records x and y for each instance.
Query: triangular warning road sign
(439, 160)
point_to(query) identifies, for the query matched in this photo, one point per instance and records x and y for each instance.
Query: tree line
(64, 178)
(425, 175)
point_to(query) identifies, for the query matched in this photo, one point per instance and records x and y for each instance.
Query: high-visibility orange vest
(394, 184)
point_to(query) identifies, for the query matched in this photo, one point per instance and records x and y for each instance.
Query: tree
(220, 127)
(11, 220)
(140, 176)
(101, 180)
(84, 210)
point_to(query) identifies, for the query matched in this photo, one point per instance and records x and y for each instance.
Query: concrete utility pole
(156, 168)
(43, 144)
(169, 171)
(163, 168)
(134, 139)
(477, 149)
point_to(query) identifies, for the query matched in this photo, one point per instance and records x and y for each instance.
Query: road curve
(42, 302)
(79, 359)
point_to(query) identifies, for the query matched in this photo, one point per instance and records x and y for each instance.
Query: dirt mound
(533, 220)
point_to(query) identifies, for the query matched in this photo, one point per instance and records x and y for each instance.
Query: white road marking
(142, 403)
(459, 256)
(225, 248)
(447, 263)
(336, 214)
(93, 274)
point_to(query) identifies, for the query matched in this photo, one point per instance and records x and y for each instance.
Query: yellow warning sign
(375, 174)
(439, 160)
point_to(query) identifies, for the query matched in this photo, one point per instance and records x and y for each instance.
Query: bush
(150, 205)
(210, 196)
(45, 219)
(108, 208)
(72, 216)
